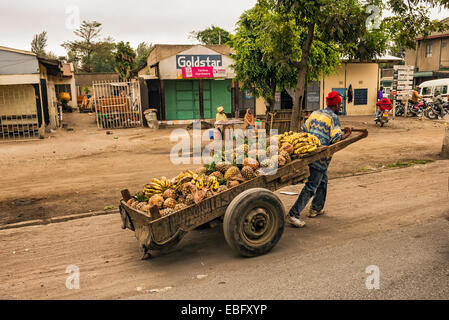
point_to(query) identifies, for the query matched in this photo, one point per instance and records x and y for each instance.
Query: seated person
(250, 121)
(221, 115)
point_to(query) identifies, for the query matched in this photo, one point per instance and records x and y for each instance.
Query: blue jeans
(316, 187)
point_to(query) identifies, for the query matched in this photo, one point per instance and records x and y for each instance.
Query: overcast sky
(154, 21)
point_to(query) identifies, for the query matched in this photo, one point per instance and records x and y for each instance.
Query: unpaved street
(391, 219)
(84, 170)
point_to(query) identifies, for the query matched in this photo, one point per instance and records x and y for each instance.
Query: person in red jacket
(383, 105)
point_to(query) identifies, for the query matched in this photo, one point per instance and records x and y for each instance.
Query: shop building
(29, 89)
(186, 82)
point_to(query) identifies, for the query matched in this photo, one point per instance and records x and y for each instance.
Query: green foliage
(268, 45)
(102, 59)
(141, 197)
(212, 35)
(142, 52)
(39, 43)
(125, 60)
(81, 51)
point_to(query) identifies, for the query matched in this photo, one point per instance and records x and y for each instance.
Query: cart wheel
(254, 222)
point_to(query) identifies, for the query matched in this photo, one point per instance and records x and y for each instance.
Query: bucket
(258, 124)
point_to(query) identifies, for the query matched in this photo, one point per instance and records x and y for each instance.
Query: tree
(125, 60)
(268, 49)
(345, 23)
(39, 43)
(102, 59)
(341, 23)
(142, 52)
(82, 50)
(211, 35)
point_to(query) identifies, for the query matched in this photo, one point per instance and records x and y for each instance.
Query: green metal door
(182, 98)
(221, 95)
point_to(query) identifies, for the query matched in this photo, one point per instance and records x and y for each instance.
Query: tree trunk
(300, 85)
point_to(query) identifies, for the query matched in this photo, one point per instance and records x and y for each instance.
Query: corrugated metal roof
(17, 51)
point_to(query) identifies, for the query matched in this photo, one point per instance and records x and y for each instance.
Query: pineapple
(170, 203)
(167, 211)
(223, 166)
(180, 206)
(156, 200)
(272, 150)
(280, 160)
(248, 173)
(169, 193)
(266, 163)
(288, 148)
(286, 155)
(251, 163)
(231, 172)
(189, 200)
(217, 174)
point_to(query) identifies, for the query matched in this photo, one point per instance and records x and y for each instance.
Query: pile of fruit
(222, 173)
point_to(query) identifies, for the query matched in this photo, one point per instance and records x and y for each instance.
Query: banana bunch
(302, 142)
(205, 182)
(157, 186)
(212, 183)
(182, 178)
(305, 149)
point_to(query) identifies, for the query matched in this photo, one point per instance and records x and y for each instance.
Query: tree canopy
(82, 51)
(125, 60)
(268, 51)
(212, 35)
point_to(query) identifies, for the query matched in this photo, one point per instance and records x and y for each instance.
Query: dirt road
(84, 170)
(391, 219)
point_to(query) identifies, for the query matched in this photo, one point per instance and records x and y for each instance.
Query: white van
(428, 88)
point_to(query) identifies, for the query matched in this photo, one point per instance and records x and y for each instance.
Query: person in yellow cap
(220, 115)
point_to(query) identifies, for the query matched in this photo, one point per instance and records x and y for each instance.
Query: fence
(280, 120)
(18, 112)
(117, 104)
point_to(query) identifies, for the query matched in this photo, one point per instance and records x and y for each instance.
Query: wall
(17, 100)
(167, 67)
(360, 76)
(439, 58)
(86, 79)
(18, 63)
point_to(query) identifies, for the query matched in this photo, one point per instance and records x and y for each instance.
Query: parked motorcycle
(416, 109)
(433, 112)
(382, 119)
(399, 109)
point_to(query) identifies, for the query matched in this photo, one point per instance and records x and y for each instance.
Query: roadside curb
(57, 219)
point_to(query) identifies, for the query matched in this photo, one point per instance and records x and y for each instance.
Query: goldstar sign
(198, 60)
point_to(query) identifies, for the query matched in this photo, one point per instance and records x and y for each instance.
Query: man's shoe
(314, 213)
(295, 222)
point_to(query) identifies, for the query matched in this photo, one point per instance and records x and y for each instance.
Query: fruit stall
(241, 195)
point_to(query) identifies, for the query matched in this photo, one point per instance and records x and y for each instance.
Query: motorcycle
(382, 119)
(433, 112)
(416, 110)
(399, 109)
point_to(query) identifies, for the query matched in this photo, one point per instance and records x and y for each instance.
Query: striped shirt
(325, 125)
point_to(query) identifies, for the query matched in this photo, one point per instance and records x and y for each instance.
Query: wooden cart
(253, 215)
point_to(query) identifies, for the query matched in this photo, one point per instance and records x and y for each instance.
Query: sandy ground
(391, 219)
(84, 170)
